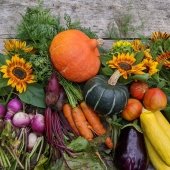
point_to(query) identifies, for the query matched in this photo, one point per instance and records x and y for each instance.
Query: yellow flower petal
(19, 73)
(124, 63)
(14, 45)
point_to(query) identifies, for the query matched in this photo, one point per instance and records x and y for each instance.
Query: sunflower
(159, 35)
(150, 66)
(19, 73)
(125, 64)
(121, 43)
(165, 59)
(137, 45)
(14, 45)
(147, 54)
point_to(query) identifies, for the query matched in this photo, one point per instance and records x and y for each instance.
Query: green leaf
(161, 84)
(34, 95)
(124, 81)
(167, 45)
(3, 82)
(105, 58)
(79, 144)
(3, 59)
(41, 163)
(139, 57)
(83, 161)
(141, 77)
(5, 91)
(106, 71)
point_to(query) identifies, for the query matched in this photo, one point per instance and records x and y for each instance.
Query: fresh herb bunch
(38, 27)
(76, 25)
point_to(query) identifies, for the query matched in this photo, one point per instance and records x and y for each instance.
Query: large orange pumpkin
(75, 55)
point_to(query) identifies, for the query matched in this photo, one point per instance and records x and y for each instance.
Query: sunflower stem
(9, 96)
(114, 78)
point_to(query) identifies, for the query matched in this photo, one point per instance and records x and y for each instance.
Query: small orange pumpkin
(132, 110)
(74, 55)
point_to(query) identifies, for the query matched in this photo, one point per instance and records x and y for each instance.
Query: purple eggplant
(130, 152)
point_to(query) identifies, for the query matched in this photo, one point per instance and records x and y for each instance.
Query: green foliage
(38, 27)
(79, 144)
(3, 59)
(139, 57)
(34, 95)
(123, 27)
(85, 156)
(77, 25)
(159, 46)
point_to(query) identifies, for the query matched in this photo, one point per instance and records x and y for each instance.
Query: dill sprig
(38, 27)
(77, 25)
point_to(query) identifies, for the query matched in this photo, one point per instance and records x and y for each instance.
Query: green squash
(103, 97)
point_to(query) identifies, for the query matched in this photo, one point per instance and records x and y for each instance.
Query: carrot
(93, 119)
(109, 143)
(81, 123)
(67, 110)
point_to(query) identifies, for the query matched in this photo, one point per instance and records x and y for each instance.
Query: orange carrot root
(109, 143)
(81, 123)
(67, 110)
(93, 119)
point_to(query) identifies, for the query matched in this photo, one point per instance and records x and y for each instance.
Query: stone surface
(145, 16)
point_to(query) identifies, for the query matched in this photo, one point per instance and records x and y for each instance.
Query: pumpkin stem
(114, 78)
(100, 41)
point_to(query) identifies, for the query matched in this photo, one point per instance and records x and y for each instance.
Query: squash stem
(114, 78)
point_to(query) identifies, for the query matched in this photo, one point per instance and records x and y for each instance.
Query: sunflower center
(125, 66)
(19, 73)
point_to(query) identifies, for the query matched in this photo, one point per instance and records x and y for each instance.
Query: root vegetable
(81, 123)
(67, 110)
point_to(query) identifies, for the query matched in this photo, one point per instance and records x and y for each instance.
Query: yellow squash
(156, 135)
(163, 122)
(157, 162)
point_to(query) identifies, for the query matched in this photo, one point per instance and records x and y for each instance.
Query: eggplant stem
(9, 96)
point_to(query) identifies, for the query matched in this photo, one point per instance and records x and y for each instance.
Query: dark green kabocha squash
(103, 97)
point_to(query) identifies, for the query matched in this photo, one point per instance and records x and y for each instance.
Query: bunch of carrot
(85, 122)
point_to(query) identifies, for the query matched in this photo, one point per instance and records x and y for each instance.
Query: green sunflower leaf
(3, 59)
(3, 82)
(141, 77)
(34, 95)
(139, 57)
(107, 71)
(105, 58)
(5, 90)
(167, 45)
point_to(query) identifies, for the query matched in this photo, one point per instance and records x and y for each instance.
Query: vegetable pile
(67, 103)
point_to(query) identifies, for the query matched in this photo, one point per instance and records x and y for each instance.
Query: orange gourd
(74, 55)
(132, 110)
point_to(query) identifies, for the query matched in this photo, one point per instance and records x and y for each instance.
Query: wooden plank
(153, 14)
